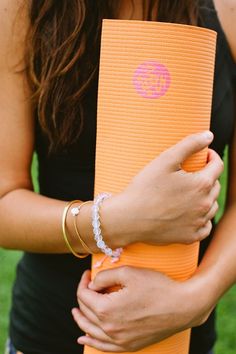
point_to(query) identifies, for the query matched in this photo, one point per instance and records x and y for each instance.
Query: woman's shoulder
(220, 15)
(226, 11)
(13, 28)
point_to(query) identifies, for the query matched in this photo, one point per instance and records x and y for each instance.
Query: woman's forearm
(217, 271)
(151, 209)
(165, 306)
(32, 222)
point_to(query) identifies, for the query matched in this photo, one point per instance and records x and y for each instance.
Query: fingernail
(208, 135)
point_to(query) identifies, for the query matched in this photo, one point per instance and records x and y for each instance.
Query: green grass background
(226, 312)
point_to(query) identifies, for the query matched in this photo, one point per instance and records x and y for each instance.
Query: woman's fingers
(88, 327)
(108, 279)
(100, 345)
(212, 212)
(204, 231)
(215, 191)
(213, 169)
(89, 297)
(188, 146)
(89, 313)
(95, 305)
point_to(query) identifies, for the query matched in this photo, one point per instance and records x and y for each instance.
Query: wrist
(113, 224)
(202, 294)
(116, 222)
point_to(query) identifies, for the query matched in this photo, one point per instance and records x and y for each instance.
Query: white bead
(97, 228)
(98, 238)
(95, 215)
(96, 224)
(109, 252)
(75, 211)
(101, 244)
(95, 209)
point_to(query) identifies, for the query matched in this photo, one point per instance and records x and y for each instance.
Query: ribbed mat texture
(155, 87)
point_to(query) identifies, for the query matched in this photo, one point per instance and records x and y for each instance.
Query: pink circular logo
(151, 79)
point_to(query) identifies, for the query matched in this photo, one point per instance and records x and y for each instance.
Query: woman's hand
(163, 203)
(148, 308)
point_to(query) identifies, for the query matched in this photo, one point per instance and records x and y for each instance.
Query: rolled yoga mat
(155, 87)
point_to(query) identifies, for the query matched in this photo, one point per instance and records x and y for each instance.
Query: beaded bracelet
(113, 254)
(75, 212)
(64, 230)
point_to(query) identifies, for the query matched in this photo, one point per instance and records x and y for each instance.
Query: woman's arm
(149, 306)
(226, 11)
(28, 221)
(218, 267)
(33, 223)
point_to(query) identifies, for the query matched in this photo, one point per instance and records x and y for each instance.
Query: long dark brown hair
(63, 54)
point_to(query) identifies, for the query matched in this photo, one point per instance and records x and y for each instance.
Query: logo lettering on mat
(151, 79)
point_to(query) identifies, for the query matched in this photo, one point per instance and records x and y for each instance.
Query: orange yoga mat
(155, 87)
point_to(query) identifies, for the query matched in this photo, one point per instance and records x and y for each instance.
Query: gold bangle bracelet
(77, 231)
(64, 231)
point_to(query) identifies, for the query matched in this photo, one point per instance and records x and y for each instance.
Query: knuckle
(110, 329)
(201, 320)
(125, 271)
(201, 234)
(127, 345)
(131, 347)
(205, 207)
(216, 207)
(79, 295)
(194, 138)
(200, 222)
(196, 141)
(205, 231)
(221, 166)
(188, 241)
(102, 312)
(166, 158)
(209, 227)
(170, 154)
(98, 278)
(121, 341)
(218, 186)
(193, 237)
(206, 183)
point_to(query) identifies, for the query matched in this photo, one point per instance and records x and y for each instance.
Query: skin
(31, 222)
(134, 317)
(115, 321)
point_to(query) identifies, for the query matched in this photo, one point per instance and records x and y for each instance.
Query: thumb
(190, 145)
(111, 278)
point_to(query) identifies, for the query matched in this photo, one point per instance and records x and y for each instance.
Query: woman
(148, 321)
(49, 60)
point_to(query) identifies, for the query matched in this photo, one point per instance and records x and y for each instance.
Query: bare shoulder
(226, 10)
(13, 29)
